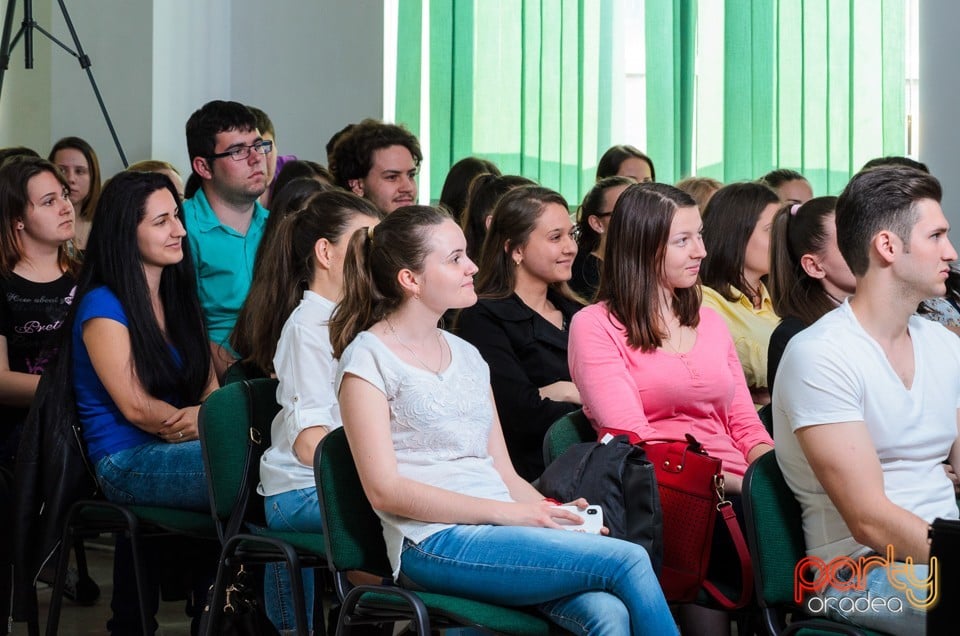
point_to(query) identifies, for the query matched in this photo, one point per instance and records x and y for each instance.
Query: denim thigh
(552, 569)
(156, 474)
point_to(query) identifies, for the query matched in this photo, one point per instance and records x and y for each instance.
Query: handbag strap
(743, 554)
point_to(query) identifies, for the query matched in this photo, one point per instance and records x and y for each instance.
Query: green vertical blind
(734, 88)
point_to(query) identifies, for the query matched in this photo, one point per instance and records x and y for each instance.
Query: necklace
(679, 346)
(414, 353)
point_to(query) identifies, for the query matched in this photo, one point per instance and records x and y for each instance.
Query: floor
(76, 620)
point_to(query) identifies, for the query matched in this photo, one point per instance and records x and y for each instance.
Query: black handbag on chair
(618, 477)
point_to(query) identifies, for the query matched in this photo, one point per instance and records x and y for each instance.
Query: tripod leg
(85, 65)
(5, 41)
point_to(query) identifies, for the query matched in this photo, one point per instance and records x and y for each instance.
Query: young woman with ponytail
(424, 433)
(808, 276)
(295, 289)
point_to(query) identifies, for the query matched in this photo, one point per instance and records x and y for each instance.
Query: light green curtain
(813, 85)
(524, 83)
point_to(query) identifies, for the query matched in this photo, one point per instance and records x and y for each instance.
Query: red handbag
(691, 496)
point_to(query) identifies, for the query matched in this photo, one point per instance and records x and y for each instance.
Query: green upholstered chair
(235, 423)
(92, 517)
(355, 542)
(572, 428)
(775, 537)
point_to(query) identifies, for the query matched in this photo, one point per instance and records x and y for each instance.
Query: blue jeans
(587, 584)
(879, 606)
(291, 511)
(156, 474)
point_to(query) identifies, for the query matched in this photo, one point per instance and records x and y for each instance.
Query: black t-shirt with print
(31, 316)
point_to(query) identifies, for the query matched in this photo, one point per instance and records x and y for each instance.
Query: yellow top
(750, 328)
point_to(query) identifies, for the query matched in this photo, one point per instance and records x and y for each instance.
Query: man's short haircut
(895, 160)
(213, 118)
(352, 156)
(264, 123)
(880, 199)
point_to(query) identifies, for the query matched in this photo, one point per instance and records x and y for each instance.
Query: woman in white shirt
(304, 265)
(424, 433)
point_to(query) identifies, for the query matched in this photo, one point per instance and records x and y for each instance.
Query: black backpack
(618, 477)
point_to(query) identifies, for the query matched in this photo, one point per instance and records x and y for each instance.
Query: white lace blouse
(440, 425)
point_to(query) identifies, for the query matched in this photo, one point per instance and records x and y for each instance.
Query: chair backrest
(351, 528)
(572, 428)
(774, 531)
(234, 428)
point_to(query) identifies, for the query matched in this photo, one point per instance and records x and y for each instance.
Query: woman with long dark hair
(140, 362)
(736, 232)
(425, 436)
(520, 323)
(651, 362)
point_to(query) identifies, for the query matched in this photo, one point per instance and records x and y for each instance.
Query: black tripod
(26, 31)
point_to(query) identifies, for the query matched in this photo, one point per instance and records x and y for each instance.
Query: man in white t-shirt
(866, 410)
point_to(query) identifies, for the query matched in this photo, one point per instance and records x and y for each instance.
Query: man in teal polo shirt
(224, 220)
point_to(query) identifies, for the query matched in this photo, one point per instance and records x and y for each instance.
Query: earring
(19, 225)
(517, 261)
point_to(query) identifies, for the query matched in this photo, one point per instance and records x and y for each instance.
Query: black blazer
(524, 352)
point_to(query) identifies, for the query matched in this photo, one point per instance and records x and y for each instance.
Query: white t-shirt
(440, 426)
(306, 369)
(833, 372)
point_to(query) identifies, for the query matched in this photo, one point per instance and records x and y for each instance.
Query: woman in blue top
(141, 364)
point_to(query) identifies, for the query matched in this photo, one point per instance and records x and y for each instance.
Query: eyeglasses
(240, 153)
(602, 215)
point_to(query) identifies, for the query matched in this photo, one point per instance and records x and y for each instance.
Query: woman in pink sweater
(650, 361)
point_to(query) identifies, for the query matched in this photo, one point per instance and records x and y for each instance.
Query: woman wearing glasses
(593, 219)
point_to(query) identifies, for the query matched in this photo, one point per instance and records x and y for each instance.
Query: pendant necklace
(414, 353)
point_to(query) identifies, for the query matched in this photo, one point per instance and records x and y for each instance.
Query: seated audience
(626, 161)
(593, 220)
(424, 434)
(297, 284)
(652, 363)
(808, 276)
(141, 365)
(224, 219)
(453, 195)
(78, 162)
(520, 325)
(155, 165)
(37, 278)
(865, 407)
(700, 188)
(379, 162)
(736, 233)
(791, 186)
(484, 192)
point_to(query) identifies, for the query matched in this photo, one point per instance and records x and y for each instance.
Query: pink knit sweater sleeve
(598, 357)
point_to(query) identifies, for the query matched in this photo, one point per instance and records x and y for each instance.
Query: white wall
(939, 99)
(313, 65)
